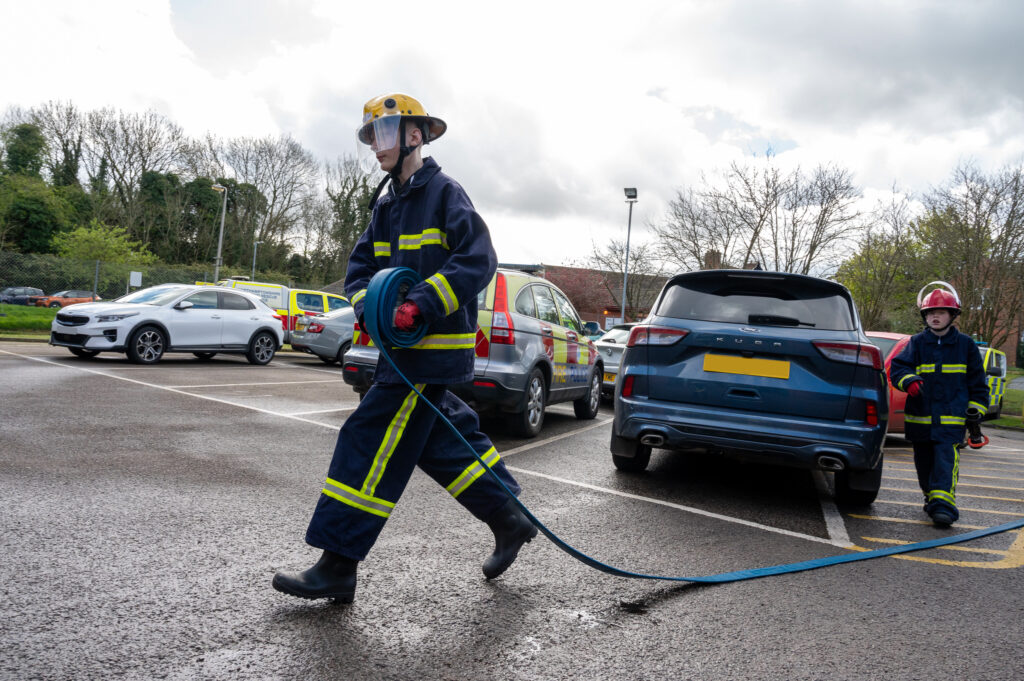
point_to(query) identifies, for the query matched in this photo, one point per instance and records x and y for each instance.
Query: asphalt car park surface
(145, 509)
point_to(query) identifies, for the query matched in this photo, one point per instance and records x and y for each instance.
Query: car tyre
(530, 418)
(83, 353)
(860, 488)
(146, 345)
(261, 348)
(636, 463)
(204, 355)
(54, 304)
(340, 359)
(586, 407)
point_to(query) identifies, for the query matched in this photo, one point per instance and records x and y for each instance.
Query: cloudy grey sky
(553, 107)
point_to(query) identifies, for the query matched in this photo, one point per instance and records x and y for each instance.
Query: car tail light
(485, 384)
(503, 331)
(851, 353)
(358, 337)
(314, 327)
(627, 386)
(483, 346)
(871, 413)
(654, 335)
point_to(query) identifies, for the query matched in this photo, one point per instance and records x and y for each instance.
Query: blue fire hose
(387, 291)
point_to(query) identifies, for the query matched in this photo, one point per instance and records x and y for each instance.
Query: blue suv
(762, 366)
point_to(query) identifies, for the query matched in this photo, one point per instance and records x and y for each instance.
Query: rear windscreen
(759, 302)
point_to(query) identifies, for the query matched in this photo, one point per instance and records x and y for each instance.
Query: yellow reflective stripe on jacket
(357, 296)
(906, 379)
(952, 420)
(979, 406)
(352, 497)
(926, 369)
(381, 248)
(924, 420)
(429, 237)
(954, 368)
(474, 471)
(444, 292)
(392, 436)
(447, 341)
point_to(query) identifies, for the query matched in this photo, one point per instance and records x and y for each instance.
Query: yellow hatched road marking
(967, 549)
(963, 475)
(959, 495)
(962, 508)
(1012, 558)
(907, 521)
(975, 457)
(965, 484)
(1020, 476)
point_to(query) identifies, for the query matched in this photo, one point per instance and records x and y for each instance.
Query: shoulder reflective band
(382, 294)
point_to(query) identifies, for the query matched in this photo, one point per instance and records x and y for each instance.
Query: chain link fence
(106, 280)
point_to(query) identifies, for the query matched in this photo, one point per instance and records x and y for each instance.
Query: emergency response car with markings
(531, 351)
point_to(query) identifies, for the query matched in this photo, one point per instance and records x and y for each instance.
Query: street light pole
(220, 240)
(254, 245)
(630, 199)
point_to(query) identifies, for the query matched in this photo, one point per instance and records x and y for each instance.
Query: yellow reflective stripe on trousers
(447, 341)
(444, 292)
(357, 296)
(954, 368)
(474, 471)
(352, 497)
(952, 420)
(392, 436)
(429, 237)
(926, 369)
(924, 420)
(381, 248)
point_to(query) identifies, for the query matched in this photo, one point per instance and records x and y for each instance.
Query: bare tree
(644, 281)
(63, 125)
(283, 171)
(755, 213)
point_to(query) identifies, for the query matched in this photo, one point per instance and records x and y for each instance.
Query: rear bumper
(774, 439)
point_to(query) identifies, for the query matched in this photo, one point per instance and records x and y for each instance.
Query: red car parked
(891, 344)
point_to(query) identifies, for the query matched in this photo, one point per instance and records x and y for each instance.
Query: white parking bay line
(833, 519)
(547, 440)
(688, 509)
(319, 411)
(172, 390)
(232, 385)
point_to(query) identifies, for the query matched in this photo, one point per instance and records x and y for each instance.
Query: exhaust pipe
(830, 463)
(652, 439)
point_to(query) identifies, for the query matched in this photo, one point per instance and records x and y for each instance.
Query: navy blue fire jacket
(429, 225)
(954, 379)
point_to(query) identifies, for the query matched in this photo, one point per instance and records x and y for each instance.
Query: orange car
(63, 298)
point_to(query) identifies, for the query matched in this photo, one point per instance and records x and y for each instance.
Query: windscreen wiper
(776, 320)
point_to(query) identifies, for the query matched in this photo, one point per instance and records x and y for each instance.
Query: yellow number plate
(609, 378)
(747, 366)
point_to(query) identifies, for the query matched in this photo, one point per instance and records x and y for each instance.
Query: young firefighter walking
(425, 222)
(942, 374)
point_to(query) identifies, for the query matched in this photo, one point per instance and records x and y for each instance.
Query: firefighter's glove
(916, 388)
(407, 316)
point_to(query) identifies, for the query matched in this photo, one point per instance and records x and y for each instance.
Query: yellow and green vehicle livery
(531, 351)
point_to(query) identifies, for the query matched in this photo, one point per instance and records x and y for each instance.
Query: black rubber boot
(333, 576)
(511, 530)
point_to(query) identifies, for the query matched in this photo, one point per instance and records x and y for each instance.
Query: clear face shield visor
(378, 135)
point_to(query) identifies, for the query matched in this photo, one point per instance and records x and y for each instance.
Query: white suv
(203, 320)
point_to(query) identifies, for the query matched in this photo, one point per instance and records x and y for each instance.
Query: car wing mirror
(994, 371)
(183, 305)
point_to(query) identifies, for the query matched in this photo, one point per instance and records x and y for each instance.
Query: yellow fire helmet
(382, 114)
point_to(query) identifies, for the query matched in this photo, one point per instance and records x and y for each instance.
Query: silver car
(328, 336)
(531, 351)
(611, 345)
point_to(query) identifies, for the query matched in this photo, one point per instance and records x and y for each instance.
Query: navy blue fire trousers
(390, 433)
(938, 470)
